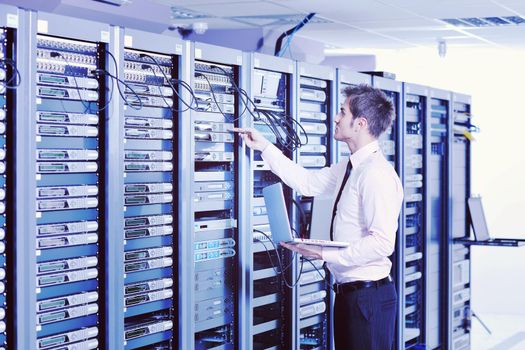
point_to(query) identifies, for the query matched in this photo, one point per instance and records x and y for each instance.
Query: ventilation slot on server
(150, 198)
(70, 192)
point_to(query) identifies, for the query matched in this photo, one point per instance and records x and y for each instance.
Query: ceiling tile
(196, 2)
(241, 9)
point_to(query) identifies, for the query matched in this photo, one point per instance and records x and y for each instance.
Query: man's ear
(363, 122)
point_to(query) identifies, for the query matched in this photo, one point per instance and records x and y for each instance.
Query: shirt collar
(363, 153)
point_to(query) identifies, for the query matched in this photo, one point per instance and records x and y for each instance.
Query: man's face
(344, 123)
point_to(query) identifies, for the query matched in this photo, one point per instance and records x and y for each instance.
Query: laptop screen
(277, 213)
(477, 219)
(320, 218)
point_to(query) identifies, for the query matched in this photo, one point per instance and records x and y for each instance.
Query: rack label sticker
(256, 62)
(12, 20)
(128, 41)
(104, 36)
(198, 53)
(178, 48)
(42, 26)
(239, 60)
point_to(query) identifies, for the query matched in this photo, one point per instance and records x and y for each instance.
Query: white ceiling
(376, 23)
(352, 24)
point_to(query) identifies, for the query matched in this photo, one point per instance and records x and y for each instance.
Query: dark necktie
(345, 179)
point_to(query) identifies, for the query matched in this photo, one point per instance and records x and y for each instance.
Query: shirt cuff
(330, 254)
(270, 152)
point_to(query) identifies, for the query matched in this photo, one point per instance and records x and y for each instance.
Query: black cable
(110, 93)
(327, 283)
(190, 90)
(197, 74)
(302, 217)
(16, 76)
(279, 42)
(242, 93)
(168, 80)
(280, 126)
(282, 269)
(118, 80)
(86, 104)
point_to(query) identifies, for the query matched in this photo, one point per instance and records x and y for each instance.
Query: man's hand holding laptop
(306, 250)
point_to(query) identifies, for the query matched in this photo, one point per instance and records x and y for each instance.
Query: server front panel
(413, 228)
(69, 121)
(215, 200)
(459, 261)
(314, 107)
(437, 216)
(272, 269)
(150, 199)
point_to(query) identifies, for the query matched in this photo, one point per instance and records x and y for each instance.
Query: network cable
(17, 77)
(170, 83)
(282, 268)
(197, 74)
(86, 104)
(118, 80)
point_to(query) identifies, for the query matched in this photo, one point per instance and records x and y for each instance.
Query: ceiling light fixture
(442, 48)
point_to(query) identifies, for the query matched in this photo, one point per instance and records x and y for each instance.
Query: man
(368, 200)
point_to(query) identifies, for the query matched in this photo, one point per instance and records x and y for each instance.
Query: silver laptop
(321, 217)
(280, 224)
(479, 224)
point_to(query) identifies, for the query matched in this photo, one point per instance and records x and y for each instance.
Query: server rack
(411, 258)
(437, 173)
(391, 144)
(390, 141)
(8, 82)
(458, 258)
(346, 78)
(214, 239)
(149, 190)
(315, 86)
(271, 309)
(68, 237)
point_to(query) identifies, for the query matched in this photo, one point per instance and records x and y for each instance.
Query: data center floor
(508, 332)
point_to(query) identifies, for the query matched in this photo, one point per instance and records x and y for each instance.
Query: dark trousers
(365, 319)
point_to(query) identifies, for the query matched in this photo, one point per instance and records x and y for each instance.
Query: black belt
(342, 288)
